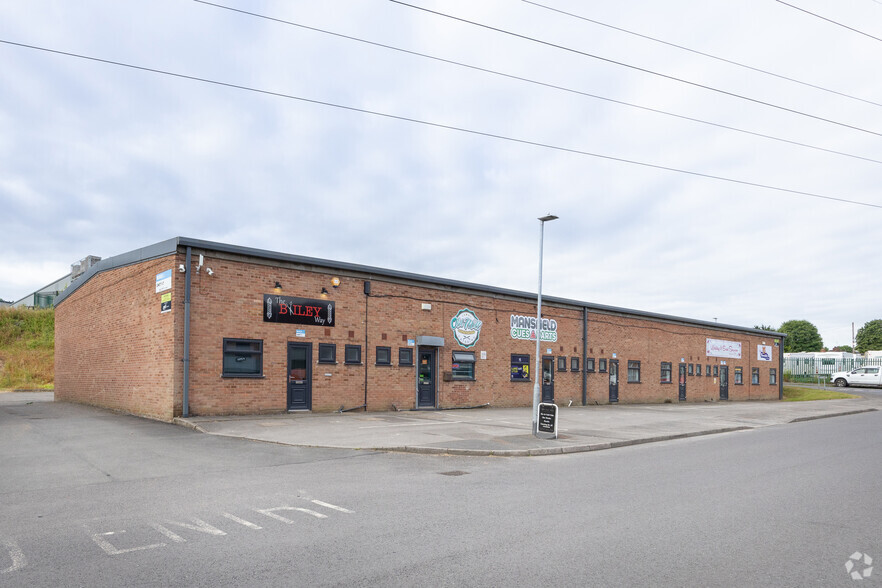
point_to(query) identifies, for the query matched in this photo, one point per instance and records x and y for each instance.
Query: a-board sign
(547, 422)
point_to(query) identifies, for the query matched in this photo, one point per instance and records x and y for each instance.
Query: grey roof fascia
(171, 246)
(161, 249)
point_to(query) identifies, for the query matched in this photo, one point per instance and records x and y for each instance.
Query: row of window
(244, 358)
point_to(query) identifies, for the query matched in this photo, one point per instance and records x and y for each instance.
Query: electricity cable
(839, 24)
(702, 53)
(441, 125)
(637, 68)
(537, 82)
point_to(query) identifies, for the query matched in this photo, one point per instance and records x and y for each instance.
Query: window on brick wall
(327, 353)
(739, 376)
(353, 354)
(634, 372)
(574, 364)
(384, 356)
(405, 356)
(716, 371)
(666, 377)
(463, 365)
(601, 364)
(707, 371)
(520, 368)
(754, 376)
(561, 363)
(243, 358)
(589, 364)
(698, 369)
(691, 369)
(773, 376)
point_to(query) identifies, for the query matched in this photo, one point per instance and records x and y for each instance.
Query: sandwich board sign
(546, 425)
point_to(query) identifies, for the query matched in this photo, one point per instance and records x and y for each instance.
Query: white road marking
(242, 521)
(169, 533)
(271, 512)
(16, 555)
(109, 549)
(332, 506)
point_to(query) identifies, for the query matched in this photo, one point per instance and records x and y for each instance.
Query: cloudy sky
(374, 132)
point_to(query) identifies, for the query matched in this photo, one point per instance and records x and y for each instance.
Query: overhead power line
(440, 125)
(839, 24)
(637, 68)
(537, 82)
(703, 54)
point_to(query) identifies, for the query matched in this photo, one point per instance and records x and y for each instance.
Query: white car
(863, 376)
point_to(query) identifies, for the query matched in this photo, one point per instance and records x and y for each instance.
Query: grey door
(426, 378)
(299, 376)
(724, 382)
(682, 382)
(547, 379)
(614, 380)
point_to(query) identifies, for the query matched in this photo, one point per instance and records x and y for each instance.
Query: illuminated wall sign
(764, 352)
(466, 327)
(718, 348)
(298, 311)
(524, 327)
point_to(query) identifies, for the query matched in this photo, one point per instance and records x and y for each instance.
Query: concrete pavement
(506, 431)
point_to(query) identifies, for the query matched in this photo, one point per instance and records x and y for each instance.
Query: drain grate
(454, 473)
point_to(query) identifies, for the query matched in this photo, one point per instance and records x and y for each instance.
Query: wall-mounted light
(182, 269)
(324, 290)
(209, 271)
(335, 281)
(277, 288)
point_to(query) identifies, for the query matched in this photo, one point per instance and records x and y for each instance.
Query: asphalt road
(91, 498)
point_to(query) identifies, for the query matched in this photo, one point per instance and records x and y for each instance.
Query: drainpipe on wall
(185, 408)
(367, 295)
(781, 370)
(584, 355)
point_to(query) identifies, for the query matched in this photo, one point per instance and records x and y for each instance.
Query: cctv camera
(209, 271)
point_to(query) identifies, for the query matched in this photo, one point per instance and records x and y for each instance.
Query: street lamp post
(537, 375)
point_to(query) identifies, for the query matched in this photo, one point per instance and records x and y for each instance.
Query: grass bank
(796, 394)
(27, 348)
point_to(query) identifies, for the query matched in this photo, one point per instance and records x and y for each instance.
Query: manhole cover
(453, 473)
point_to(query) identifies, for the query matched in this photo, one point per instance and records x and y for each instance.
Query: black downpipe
(584, 356)
(781, 370)
(185, 402)
(367, 295)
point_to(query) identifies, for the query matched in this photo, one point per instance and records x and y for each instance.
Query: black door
(299, 376)
(724, 382)
(547, 379)
(426, 381)
(682, 382)
(614, 380)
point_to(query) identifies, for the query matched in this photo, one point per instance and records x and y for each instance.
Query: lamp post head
(548, 217)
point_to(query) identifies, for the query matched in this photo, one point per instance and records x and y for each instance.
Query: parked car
(863, 376)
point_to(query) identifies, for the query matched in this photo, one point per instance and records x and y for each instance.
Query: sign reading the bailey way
(466, 327)
(297, 311)
(524, 327)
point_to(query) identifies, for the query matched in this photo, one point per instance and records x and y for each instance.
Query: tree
(845, 348)
(801, 336)
(869, 336)
(764, 328)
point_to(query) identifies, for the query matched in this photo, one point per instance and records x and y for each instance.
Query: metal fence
(805, 368)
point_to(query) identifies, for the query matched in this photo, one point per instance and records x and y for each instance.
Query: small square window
(384, 356)
(405, 356)
(463, 365)
(633, 372)
(574, 364)
(666, 374)
(520, 368)
(242, 358)
(561, 364)
(601, 365)
(353, 354)
(327, 353)
(773, 376)
(589, 365)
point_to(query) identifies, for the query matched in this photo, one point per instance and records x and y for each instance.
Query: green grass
(795, 394)
(27, 348)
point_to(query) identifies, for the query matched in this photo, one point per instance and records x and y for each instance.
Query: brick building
(199, 328)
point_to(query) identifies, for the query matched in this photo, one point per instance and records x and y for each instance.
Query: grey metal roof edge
(171, 246)
(371, 270)
(161, 249)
